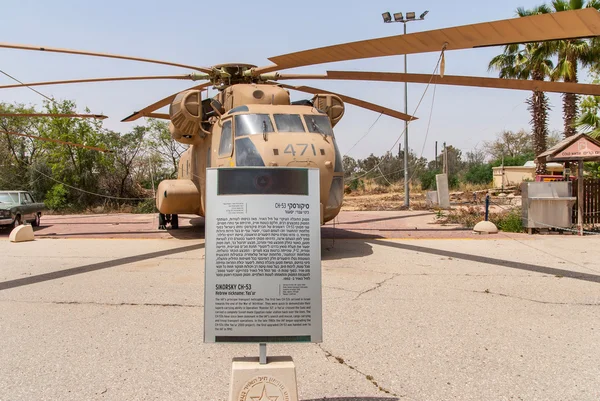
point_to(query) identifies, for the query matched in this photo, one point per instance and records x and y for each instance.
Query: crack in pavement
(106, 303)
(533, 300)
(377, 286)
(370, 378)
(341, 289)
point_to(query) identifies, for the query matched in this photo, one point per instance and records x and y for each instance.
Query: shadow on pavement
(331, 251)
(407, 216)
(493, 261)
(193, 231)
(5, 231)
(93, 267)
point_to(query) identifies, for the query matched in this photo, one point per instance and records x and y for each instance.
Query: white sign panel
(263, 255)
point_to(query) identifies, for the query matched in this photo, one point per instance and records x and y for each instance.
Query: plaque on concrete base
(273, 381)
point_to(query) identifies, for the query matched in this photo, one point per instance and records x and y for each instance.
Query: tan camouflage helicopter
(252, 122)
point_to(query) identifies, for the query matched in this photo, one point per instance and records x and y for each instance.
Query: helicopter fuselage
(258, 135)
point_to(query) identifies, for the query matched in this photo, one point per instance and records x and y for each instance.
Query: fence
(591, 201)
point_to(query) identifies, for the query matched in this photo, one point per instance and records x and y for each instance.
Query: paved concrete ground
(490, 319)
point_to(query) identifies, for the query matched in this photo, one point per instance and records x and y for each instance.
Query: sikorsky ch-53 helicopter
(252, 122)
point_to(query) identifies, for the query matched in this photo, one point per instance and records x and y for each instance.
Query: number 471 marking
(290, 149)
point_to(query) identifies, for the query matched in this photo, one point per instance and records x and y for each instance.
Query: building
(510, 176)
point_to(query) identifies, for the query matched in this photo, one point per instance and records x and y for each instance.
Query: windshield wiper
(316, 127)
(264, 126)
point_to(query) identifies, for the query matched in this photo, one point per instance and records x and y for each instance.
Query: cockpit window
(252, 124)
(289, 123)
(318, 124)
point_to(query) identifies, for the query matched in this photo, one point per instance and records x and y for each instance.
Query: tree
(17, 153)
(126, 150)
(160, 141)
(530, 61)
(572, 53)
(510, 144)
(475, 156)
(350, 166)
(589, 119)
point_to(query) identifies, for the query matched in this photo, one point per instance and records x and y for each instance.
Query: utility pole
(399, 17)
(445, 159)
(436, 156)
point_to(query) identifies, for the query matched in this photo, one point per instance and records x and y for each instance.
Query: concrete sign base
(275, 380)
(485, 227)
(443, 194)
(21, 233)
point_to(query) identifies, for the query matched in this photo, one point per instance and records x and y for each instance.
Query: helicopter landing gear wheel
(162, 221)
(171, 219)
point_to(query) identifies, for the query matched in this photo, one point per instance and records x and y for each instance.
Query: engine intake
(332, 105)
(186, 116)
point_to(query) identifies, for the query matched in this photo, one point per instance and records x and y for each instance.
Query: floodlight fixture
(410, 15)
(424, 14)
(387, 17)
(398, 17)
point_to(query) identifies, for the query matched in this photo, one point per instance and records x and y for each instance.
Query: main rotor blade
(97, 54)
(573, 24)
(483, 82)
(357, 102)
(41, 138)
(147, 111)
(57, 115)
(79, 81)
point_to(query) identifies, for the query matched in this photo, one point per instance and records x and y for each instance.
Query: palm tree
(589, 119)
(572, 53)
(530, 61)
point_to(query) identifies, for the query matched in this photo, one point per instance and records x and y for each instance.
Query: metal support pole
(406, 184)
(487, 207)
(445, 160)
(436, 156)
(580, 197)
(262, 354)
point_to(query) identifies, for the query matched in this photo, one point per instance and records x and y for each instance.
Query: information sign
(263, 255)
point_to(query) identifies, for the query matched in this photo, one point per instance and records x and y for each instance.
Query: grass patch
(506, 220)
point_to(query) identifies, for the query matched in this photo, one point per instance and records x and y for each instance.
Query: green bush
(479, 174)
(427, 179)
(356, 184)
(509, 221)
(453, 182)
(145, 207)
(56, 198)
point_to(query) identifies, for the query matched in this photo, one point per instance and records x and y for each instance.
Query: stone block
(21, 233)
(275, 380)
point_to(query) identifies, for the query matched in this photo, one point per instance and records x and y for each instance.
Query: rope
(88, 192)
(409, 121)
(29, 87)
(367, 133)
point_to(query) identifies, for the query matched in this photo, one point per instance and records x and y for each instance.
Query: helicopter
(252, 121)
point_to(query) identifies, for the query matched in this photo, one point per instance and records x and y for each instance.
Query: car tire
(17, 222)
(36, 222)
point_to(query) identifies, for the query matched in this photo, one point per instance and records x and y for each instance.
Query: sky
(207, 33)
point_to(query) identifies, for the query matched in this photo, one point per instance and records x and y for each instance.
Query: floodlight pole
(406, 150)
(406, 183)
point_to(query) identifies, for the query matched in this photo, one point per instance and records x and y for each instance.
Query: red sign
(582, 149)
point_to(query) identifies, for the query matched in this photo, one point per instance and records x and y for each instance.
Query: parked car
(18, 207)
